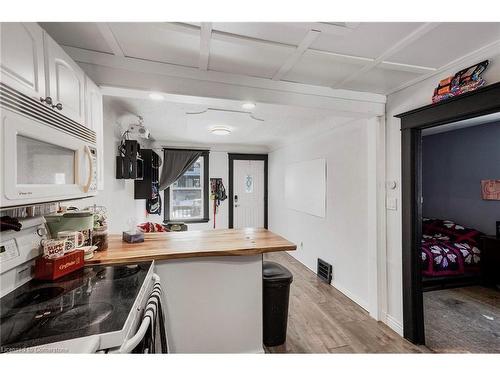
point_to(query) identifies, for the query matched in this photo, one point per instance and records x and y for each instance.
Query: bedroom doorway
(461, 300)
(483, 102)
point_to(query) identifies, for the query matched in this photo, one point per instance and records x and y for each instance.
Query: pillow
(149, 227)
(443, 229)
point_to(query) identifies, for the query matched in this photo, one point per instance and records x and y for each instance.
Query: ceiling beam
(402, 43)
(205, 36)
(406, 67)
(125, 72)
(324, 28)
(236, 80)
(309, 39)
(110, 38)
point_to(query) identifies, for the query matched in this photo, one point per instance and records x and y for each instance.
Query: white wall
(410, 98)
(342, 238)
(118, 195)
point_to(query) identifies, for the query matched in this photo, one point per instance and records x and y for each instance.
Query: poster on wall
(490, 190)
(305, 187)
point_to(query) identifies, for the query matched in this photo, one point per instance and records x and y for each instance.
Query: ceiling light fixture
(220, 130)
(248, 105)
(156, 96)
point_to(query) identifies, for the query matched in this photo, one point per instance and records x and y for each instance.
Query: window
(187, 199)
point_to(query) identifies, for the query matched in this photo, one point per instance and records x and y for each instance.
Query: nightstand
(490, 261)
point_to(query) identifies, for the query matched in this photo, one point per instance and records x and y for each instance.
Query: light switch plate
(392, 204)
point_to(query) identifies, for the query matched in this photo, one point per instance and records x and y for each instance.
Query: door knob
(58, 106)
(47, 100)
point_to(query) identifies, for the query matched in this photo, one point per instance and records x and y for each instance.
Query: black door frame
(232, 158)
(482, 102)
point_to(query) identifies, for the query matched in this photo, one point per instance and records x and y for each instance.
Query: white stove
(95, 309)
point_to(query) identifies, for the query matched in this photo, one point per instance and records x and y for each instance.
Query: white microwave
(45, 156)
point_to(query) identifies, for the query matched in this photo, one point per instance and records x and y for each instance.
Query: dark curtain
(175, 164)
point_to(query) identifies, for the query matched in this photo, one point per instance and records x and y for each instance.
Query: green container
(74, 221)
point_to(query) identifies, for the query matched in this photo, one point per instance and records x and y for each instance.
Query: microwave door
(43, 164)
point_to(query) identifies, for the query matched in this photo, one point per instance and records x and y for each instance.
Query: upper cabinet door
(22, 58)
(66, 82)
(94, 121)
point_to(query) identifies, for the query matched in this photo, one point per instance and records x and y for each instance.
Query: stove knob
(41, 232)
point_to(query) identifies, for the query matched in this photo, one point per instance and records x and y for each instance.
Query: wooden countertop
(191, 244)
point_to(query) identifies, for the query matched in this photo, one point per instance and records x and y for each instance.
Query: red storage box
(51, 269)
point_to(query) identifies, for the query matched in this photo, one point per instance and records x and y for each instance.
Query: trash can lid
(272, 271)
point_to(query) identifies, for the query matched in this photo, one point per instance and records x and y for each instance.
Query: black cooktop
(93, 300)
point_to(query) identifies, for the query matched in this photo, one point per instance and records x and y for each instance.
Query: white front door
(248, 190)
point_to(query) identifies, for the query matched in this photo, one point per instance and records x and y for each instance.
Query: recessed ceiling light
(248, 105)
(220, 130)
(156, 96)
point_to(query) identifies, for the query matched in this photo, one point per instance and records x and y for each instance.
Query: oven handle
(147, 320)
(86, 187)
(130, 344)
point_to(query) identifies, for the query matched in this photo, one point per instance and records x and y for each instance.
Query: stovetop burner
(34, 297)
(118, 272)
(82, 316)
(94, 300)
(125, 271)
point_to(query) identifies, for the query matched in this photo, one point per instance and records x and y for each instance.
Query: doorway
(482, 102)
(248, 190)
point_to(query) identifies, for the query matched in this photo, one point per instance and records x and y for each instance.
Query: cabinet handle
(58, 106)
(47, 100)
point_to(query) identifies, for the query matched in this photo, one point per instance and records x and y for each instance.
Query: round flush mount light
(220, 130)
(156, 96)
(248, 105)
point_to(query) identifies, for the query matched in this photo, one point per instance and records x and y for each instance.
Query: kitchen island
(212, 281)
(193, 244)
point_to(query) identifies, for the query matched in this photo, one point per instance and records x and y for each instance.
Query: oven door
(43, 164)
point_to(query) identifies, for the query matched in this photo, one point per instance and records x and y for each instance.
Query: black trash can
(276, 281)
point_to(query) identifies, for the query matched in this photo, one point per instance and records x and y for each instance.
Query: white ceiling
(370, 57)
(170, 123)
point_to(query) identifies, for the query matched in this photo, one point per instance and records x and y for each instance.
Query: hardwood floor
(463, 320)
(323, 320)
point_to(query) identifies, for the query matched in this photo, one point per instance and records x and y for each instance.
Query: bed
(450, 252)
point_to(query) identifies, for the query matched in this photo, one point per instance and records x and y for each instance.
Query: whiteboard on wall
(305, 187)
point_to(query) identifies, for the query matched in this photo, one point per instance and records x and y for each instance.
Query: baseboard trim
(351, 296)
(394, 324)
(339, 287)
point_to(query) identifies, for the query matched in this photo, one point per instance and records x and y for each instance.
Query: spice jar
(100, 237)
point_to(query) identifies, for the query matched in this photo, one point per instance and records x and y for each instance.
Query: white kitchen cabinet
(94, 120)
(65, 81)
(22, 58)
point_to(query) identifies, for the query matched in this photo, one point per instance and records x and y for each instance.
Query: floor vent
(324, 271)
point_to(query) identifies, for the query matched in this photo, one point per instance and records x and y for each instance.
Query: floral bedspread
(448, 248)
